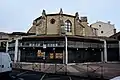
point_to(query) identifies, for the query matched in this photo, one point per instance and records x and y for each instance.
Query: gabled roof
(54, 15)
(38, 18)
(60, 14)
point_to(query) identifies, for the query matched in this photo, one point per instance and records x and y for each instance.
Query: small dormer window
(68, 26)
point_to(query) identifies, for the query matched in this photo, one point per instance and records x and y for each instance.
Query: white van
(5, 63)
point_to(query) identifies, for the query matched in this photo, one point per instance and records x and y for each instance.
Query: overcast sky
(17, 15)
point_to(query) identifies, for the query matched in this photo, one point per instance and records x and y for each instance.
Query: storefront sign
(40, 54)
(51, 55)
(58, 55)
(44, 46)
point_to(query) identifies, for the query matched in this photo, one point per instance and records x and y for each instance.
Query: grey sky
(17, 15)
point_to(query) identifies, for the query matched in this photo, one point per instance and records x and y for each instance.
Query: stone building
(62, 38)
(55, 23)
(104, 29)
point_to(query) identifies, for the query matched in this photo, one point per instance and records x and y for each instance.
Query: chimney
(83, 19)
(114, 31)
(109, 22)
(61, 11)
(77, 15)
(43, 12)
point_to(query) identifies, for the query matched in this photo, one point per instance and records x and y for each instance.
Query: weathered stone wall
(78, 29)
(53, 28)
(56, 27)
(88, 30)
(32, 29)
(65, 18)
(41, 26)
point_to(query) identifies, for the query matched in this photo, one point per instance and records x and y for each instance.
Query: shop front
(54, 50)
(43, 50)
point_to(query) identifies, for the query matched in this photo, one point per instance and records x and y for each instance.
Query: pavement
(107, 70)
(96, 70)
(32, 75)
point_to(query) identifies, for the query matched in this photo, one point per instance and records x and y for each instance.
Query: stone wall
(78, 28)
(41, 26)
(32, 29)
(52, 23)
(88, 30)
(65, 18)
(53, 28)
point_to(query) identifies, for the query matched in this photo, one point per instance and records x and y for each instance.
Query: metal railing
(41, 67)
(85, 70)
(92, 70)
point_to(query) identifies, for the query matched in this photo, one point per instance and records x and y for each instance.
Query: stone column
(16, 51)
(66, 50)
(63, 56)
(105, 51)
(102, 56)
(7, 44)
(19, 53)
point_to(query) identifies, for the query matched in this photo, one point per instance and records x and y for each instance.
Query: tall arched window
(68, 26)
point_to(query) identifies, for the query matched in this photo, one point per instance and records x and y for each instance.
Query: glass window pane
(69, 24)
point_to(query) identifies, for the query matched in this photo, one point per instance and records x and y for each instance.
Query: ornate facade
(61, 38)
(56, 24)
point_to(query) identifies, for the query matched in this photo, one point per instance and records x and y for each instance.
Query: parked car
(5, 64)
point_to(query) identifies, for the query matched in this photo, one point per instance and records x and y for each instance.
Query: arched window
(68, 26)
